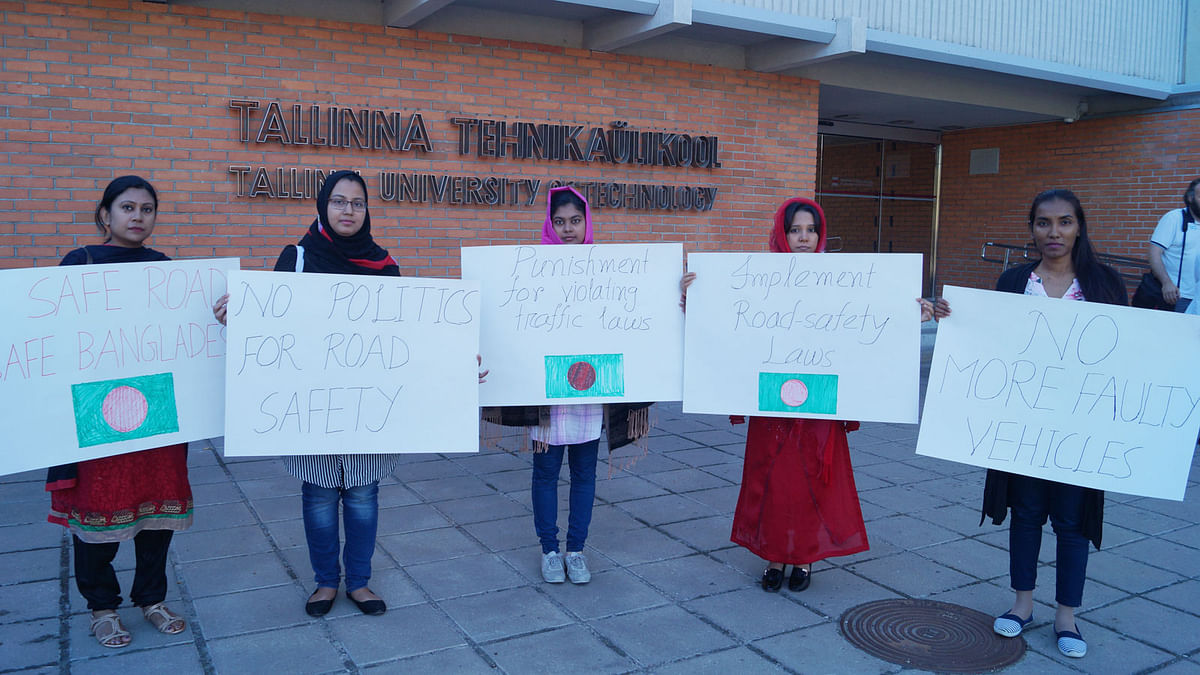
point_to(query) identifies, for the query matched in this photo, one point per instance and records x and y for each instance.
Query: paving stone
(750, 613)
(623, 488)
(396, 495)
(688, 577)
(500, 614)
(613, 591)
(702, 534)
(821, 649)
(1184, 595)
(215, 493)
(454, 487)
(30, 600)
(254, 610)
(37, 565)
(1113, 652)
(637, 546)
(147, 660)
(221, 517)
(971, 557)
(666, 509)
(506, 534)
(429, 545)
(465, 576)
(484, 507)
(401, 519)
(549, 652)
(739, 660)
(1128, 575)
(687, 480)
(427, 469)
(263, 468)
(275, 486)
(299, 649)
(401, 632)
(278, 508)
(29, 644)
(704, 456)
(911, 575)
(903, 499)
(509, 481)
(723, 499)
(909, 532)
(457, 660)
(225, 575)
(1150, 622)
(640, 635)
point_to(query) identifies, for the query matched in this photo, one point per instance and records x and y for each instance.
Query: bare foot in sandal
(163, 619)
(108, 629)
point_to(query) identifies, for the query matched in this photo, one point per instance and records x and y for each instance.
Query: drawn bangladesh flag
(579, 375)
(130, 407)
(798, 393)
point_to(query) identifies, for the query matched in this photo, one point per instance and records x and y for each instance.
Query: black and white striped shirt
(340, 471)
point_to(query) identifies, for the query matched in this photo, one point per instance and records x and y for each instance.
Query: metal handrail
(1130, 269)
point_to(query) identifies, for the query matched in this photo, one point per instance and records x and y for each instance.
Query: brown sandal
(109, 630)
(163, 619)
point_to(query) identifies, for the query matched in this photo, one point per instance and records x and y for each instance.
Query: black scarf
(328, 252)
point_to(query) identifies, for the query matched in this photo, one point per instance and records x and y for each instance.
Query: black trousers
(97, 581)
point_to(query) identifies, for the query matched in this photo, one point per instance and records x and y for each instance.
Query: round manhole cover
(930, 635)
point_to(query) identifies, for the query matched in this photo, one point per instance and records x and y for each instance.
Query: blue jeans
(546, 467)
(360, 513)
(1031, 500)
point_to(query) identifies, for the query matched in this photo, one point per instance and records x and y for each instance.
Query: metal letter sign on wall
(394, 132)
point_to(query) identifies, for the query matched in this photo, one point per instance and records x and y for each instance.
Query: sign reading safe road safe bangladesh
(1075, 392)
(579, 323)
(326, 363)
(804, 335)
(99, 360)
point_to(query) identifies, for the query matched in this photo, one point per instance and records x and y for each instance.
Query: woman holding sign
(144, 496)
(571, 430)
(339, 242)
(798, 502)
(1068, 269)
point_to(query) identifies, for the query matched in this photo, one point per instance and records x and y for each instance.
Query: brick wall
(92, 90)
(1127, 172)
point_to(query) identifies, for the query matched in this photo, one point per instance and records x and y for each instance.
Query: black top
(104, 254)
(995, 488)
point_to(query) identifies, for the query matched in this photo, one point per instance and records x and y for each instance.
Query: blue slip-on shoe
(1010, 625)
(1071, 644)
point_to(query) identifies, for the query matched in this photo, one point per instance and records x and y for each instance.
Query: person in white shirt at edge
(1178, 277)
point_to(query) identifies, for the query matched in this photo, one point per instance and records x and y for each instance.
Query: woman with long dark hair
(144, 496)
(1068, 269)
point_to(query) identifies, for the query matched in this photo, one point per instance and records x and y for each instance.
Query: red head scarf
(779, 243)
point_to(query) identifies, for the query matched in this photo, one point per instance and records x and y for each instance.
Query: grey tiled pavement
(457, 562)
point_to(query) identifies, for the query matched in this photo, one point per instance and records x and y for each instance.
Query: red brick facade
(92, 90)
(1127, 171)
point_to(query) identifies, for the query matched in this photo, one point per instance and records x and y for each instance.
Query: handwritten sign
(1075, 392)
(579, 323)
(343, 364)
(804, 335)
(100, 360)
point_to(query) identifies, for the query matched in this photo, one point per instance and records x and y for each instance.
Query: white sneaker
(552, 568)
(577, 568)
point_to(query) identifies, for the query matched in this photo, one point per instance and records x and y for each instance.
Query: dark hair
(114, 190)
(563, 197)
(1099, 282)
(789, 214)
(1190, 193)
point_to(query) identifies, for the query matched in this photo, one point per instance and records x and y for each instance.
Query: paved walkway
(457, 562)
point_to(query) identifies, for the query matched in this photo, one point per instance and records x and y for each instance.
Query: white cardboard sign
(99, 360)
(834, 336)
(345, 364)
(1076, 392)
(579, 323)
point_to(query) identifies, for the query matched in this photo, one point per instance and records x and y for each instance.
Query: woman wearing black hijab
(339, 242)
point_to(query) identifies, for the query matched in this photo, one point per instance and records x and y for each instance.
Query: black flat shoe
(369, 607)
(318, 607)
(799, 580)
(772, 580)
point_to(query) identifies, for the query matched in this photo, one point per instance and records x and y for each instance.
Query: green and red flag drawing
(797, 393)
(129, 407)
(579, 375)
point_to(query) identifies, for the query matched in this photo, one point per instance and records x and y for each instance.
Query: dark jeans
(97, 581)
(1031, 500)
(360, 513)
(546, 467)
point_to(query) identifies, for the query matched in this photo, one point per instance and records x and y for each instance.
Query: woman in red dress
(144, 496)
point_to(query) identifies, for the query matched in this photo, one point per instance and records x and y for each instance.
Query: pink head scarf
(549, 236)
(779, 242)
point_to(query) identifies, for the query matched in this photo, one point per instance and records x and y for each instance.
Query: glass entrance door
(879, 196)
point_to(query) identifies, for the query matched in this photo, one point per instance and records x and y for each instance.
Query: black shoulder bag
(1149, 294)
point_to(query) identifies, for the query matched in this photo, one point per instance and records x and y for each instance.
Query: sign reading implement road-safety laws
(1075, 392)
(579, 323)
(833, 336)
(99, 360)
(344, 364)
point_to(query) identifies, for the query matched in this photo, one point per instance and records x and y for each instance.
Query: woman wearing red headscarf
(798, 503)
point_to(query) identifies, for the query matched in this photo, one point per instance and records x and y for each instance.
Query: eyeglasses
(341, 204)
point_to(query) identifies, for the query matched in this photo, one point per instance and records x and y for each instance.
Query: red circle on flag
(124, 409)
(581, 375)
